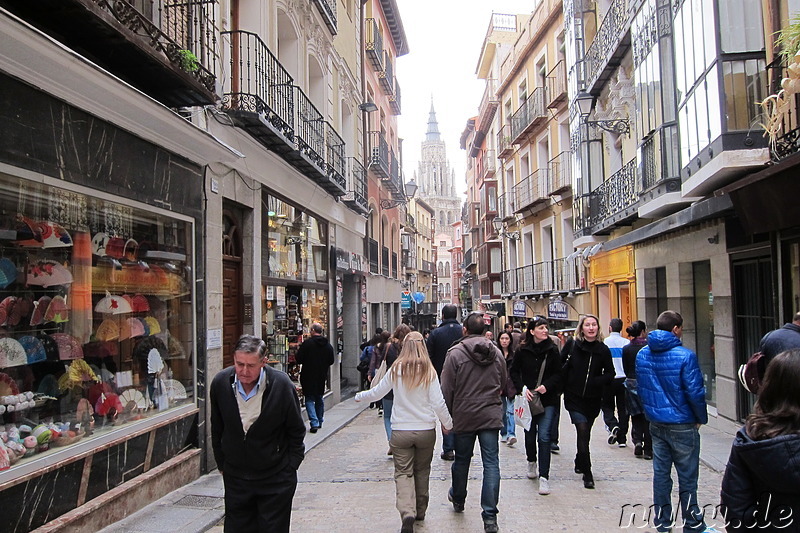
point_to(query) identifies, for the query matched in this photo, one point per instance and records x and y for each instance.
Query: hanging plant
(789, 39)
(188, 61)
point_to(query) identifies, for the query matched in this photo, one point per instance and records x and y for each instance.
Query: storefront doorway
(231, 285)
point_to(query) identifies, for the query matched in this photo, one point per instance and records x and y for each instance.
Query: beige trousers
(412, 452)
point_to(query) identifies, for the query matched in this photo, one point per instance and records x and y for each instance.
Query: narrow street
(346, 484)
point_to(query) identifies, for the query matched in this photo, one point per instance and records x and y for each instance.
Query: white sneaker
(544, 486)
(622, 445)
(533, 471)
(504, 438)
(512, 440)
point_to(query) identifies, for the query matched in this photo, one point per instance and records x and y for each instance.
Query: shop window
(296, 243)
(96, 308)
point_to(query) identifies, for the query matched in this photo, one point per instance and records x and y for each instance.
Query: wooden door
(232, 304)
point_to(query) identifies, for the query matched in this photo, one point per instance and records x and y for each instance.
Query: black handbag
(536, 401)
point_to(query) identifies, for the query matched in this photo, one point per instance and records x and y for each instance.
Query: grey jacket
(473, 378)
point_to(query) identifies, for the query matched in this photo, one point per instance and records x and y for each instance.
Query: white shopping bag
(522, 411)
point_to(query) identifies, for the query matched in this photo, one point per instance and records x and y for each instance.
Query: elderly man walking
(473, 378)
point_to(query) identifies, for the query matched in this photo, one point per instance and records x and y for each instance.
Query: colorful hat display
(68, 346)
(39, 309)
(34, 349)
(138, 303)
(8, 272)
(113, 305)
(12, 353)
(47, 273)
(108, 330)
(57, 311)
(153, 327)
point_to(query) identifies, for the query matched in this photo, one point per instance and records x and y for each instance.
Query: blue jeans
(509, 425)
(540, 432)
(448, 442)
(490, 449)
(315, 408)
(387, 417)
(677, 444)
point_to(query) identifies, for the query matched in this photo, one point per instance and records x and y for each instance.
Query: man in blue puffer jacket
(671, 388)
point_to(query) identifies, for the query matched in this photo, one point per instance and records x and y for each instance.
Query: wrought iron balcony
(385, 261)
(610, 44)
(356, 197)
(261, 97)
(335, 162)
(532, 190)
(489, 164)
(560, 172)
(531, 113)
(616, 198)
(386, 76)
(327, 8)
(557, 84)
(504, 146)
(372, 245)
(659, 154)
(162, 48)
(489, 104)
(394, 99)
(394, 182)
(545, 277)
(506, 205)
(373, 44)
(582, 215)
(378, 154)
(426, 266)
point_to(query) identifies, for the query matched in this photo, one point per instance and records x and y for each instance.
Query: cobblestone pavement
(346, 485)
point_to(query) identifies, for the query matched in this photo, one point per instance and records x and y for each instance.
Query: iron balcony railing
(395, 271)
(557, 275)
(386, 77)
(379, 154)
(608, 38)
(356, 196)
(468, 260)
(394, 182)
(560, 172)
(506, 205)
(385, 261)
(557, 84)
(335, 159)
(617, 193)
(659, 157)
(533, 189)
(489, 164)
(259, 83)
(489, 104)
(327, 8)
(373, 44)
(310, 128)
(532, 112)
(504, 146)
(373, 256)
(394, 99)
(426, 266)
(582, 215)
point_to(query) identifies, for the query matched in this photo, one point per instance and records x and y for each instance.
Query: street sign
(405, 300)
(557, 310)
(520, 308)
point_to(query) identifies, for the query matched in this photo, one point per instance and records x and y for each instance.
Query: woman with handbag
(537, 367)
(508, 433)
(418, 403)
(587, 369)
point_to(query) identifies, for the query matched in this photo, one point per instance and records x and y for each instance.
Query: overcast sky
(444, 39)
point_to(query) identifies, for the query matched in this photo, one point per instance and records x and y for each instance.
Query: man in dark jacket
(784, 338)
(670, 385)
(316, 356)
(257, 436)
(473, 378)
(439, 341)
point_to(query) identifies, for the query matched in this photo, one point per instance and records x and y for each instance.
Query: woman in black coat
(535, 350)
(587, 369)
(761, 485)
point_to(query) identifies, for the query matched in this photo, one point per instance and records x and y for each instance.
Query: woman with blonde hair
(418, 403)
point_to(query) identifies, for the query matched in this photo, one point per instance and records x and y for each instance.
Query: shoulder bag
(536, 402)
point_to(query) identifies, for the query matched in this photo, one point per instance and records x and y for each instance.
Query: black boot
(588, 480)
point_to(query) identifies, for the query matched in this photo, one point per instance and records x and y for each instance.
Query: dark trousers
(254, 506)
(640, 432)
(614, 397)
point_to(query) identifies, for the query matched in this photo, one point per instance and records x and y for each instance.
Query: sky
(444, 39)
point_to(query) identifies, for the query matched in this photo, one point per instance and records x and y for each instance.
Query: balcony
(581, 215)
(489, 104)
(163, 49)
(394, 182)
(373, 255)
(386, 76)
(560, 173)
(557, 84)
(614, 203)
(468, 259)
(373, 44)
(394, 99)
(378, 154)
(489, 164)
(356, 197)
(426, 266)
(261, 100)
(545, 277)
(335, 162)
(504, 146)
(532, 190)
(506, 205)
(385, 261)
(660, 174)
(609, 46)
(530, 114)
(327, 8)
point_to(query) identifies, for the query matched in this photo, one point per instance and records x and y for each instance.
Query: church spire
(433, 126)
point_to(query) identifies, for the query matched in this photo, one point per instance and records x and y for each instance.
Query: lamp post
(502, 231)
(585, 103)
(409, 190)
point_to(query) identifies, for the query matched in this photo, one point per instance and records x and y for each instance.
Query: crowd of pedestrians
(463, 379)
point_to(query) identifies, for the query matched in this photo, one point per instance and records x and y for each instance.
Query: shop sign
(520, 308)
(405, 300)
(557, 310)
(357, 262)
(342, 259)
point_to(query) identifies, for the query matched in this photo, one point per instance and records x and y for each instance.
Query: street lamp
(585, 103)
(502, 232)
(409, 190)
